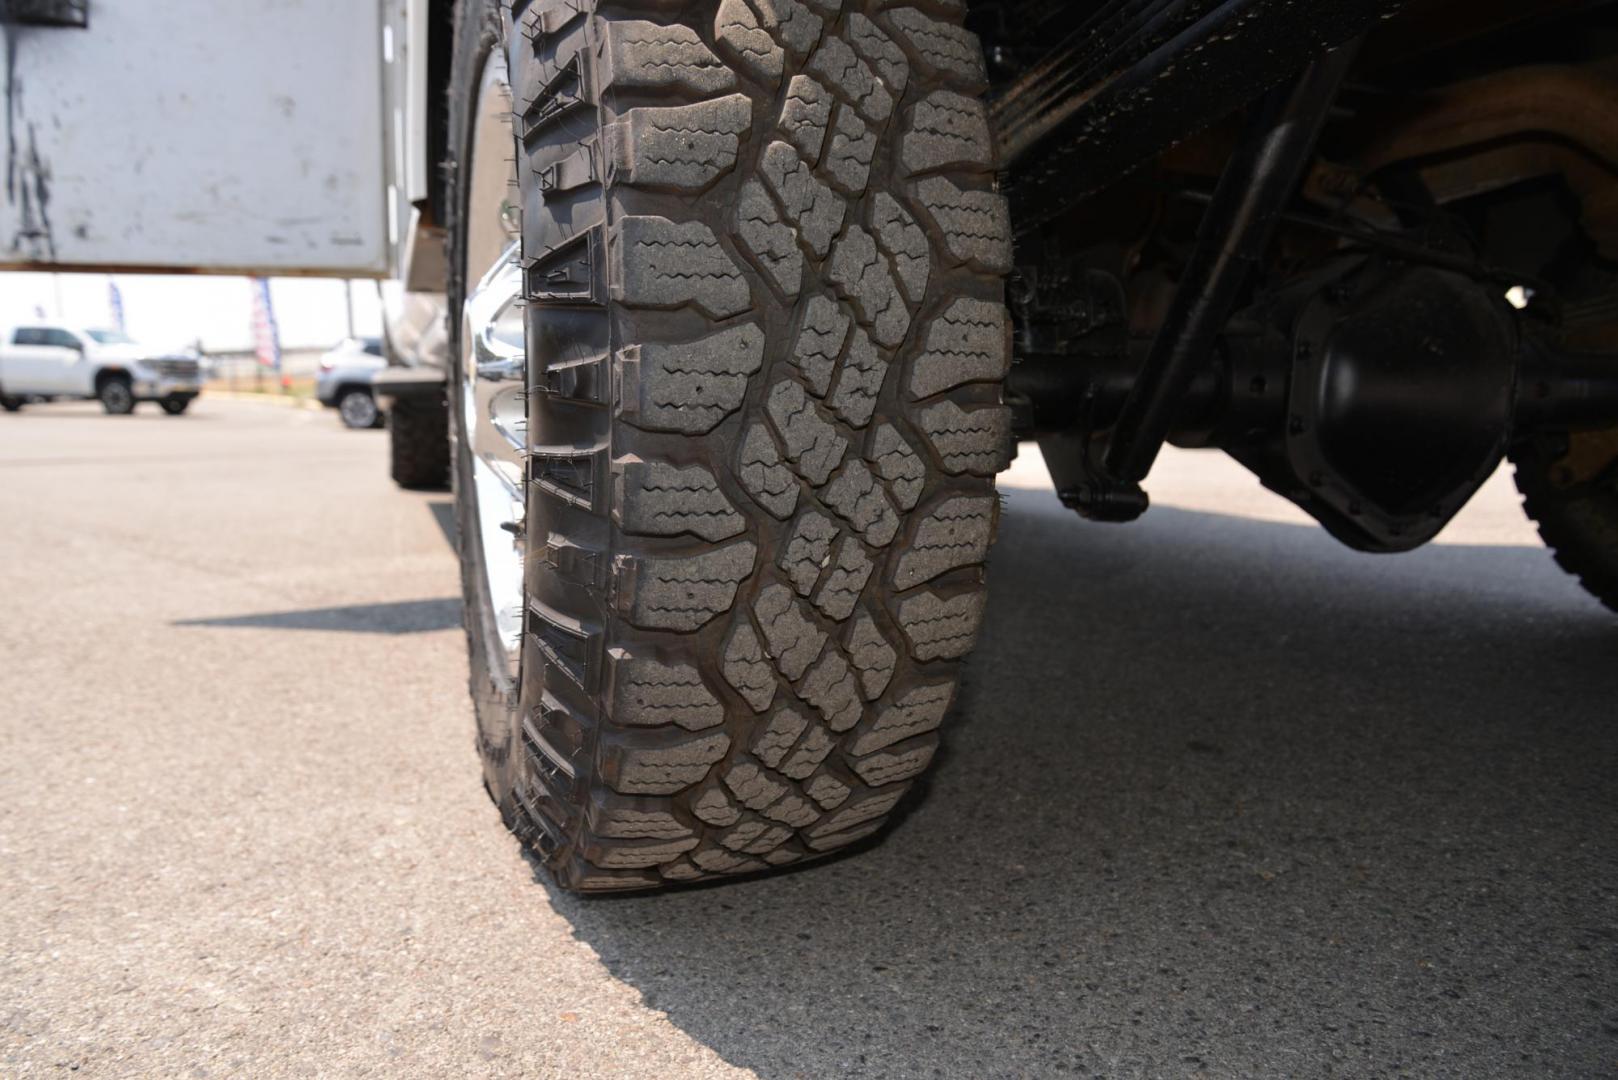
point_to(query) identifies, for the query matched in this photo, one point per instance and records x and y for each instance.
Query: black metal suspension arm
(1260, 179)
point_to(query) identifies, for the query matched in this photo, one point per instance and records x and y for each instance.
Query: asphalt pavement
(1220, 799)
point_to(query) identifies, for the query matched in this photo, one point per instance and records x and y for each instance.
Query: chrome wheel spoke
(494, 360)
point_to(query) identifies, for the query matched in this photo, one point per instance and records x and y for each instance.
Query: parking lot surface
(1220, 799)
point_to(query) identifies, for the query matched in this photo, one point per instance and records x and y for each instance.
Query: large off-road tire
(418, 445)
(763, 260)
(177, 404)
(1569, 485)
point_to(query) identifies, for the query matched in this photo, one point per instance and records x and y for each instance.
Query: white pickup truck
(48, 361)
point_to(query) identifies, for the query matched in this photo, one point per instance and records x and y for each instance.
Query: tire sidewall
(495, 697)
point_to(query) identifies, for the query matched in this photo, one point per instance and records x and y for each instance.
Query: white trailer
(194, 136)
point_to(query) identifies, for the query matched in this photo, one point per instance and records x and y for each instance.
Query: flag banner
(115, 303)
(266, 335)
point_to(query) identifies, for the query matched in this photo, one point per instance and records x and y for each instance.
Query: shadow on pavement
(443, 512)
(405, 617)
(1220, 798)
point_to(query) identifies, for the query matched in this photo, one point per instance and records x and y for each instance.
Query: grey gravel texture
(1220, 799)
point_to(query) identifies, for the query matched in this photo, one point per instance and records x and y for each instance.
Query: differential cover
(1401, 401)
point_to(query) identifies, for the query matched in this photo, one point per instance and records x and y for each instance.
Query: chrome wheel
(494, 408)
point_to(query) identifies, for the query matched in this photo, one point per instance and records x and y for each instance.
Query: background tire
(11, 404)
(1569, 485)
(358, 410)
(764, 418)
(176, 405)
(418, 445)
(117, 396)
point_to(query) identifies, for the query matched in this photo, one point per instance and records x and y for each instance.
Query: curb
(285, 402)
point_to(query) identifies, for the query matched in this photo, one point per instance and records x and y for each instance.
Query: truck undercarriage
(1366, 248)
